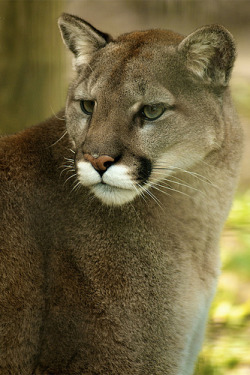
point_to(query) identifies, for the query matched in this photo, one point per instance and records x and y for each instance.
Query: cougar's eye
(152, 112)
(87, 106)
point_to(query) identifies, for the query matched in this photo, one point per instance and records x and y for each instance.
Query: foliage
(226, 349)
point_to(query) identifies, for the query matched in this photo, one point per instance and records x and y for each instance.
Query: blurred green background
(35, 69)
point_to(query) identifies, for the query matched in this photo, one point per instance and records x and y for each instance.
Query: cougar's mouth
(117, 183)
(114, 187)
(113, 195)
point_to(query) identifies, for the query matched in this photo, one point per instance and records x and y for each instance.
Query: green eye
(152, 112)
(87, 106)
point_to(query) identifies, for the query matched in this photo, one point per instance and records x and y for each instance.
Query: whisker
(189, 172)
(154, 198)
(53, 144)
(151, 195)
(140, 193)
(61, 119)
(179, 183)
(88, 66)
(70, 160)
(164, 192)
(180, 179)
(154, 186)
(76, 187)
(218, 145)
(73, 175)
(209, 165)
(70, 166)
(194, 174)
(172, 189)
(67, 169)
(201, 178)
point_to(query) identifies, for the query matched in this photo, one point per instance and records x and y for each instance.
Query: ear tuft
(81, 38)
(210, 54)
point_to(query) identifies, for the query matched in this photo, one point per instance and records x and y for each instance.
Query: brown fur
(92, 289)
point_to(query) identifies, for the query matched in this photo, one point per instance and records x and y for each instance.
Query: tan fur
(113, 273)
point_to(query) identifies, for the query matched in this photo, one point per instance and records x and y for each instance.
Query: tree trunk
(32, 82)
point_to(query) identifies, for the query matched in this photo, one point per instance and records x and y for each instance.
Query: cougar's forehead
(151, 37)
(130, 62)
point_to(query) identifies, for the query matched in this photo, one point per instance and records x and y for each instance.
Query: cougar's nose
(101, 163)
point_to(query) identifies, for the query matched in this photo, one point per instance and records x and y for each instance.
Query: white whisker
(178, 183)
(67, 166)
(69, 178)
(140, 193)
(151, 195)
(67, 170)
(76, 187)
(194, 174)
(53, 144)
(70, 160)
(166, 186)
(61, 119)
(209, 165)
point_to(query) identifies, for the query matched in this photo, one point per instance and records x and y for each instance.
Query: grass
(226, 350)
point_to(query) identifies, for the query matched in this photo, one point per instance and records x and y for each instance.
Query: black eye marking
(87, 106)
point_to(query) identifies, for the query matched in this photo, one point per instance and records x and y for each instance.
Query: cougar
(112, 210)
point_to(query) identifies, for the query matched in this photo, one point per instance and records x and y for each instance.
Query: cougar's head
(143, 106)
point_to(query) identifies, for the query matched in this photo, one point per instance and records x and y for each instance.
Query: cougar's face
(135, 119)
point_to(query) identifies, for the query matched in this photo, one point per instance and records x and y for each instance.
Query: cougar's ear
(81, 38)
(209, 53)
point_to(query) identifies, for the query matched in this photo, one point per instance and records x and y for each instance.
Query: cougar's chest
(102, 284)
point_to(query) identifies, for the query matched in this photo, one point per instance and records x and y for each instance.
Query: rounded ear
(81, 38)
(209, 53)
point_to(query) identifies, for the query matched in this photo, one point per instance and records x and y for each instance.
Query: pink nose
(101, 163)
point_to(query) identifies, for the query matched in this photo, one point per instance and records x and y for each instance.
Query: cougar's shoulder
(30, 154)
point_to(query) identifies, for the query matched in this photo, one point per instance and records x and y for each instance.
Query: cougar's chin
(113, 196)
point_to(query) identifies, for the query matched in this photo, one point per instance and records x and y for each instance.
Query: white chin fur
(115, 187)
(113, 196)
